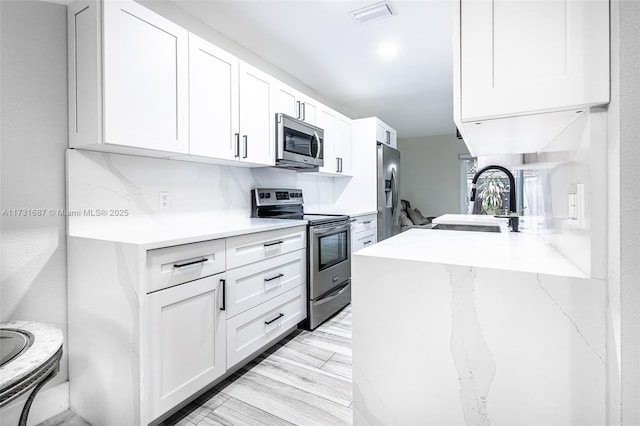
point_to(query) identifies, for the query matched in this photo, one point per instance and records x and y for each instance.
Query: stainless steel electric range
(328, 250)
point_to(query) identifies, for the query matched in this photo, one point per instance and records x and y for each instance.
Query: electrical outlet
(164, 200)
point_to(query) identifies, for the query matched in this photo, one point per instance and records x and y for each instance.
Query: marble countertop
(469, 219)
(183, 229)
(522, 252)
(47, 341)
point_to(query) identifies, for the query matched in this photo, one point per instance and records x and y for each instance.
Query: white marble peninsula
(475, 328)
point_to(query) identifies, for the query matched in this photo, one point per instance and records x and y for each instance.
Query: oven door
(329, 257)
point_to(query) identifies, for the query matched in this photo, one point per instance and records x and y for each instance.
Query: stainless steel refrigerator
(388, 180)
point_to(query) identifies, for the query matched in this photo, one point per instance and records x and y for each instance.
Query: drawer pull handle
(182, 265)
(367, 222)
(275, 319)
(224, 295)
(275, 243)
(367, 242)
(274, 278)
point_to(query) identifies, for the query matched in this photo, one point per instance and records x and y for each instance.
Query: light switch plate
(164, 200)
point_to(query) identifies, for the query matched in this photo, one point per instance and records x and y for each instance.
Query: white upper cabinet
(386, 134)
(256, 137)
(326, 121)
(514, 60)
(128, 79)
(337, 142)
(297, 105)
(342, 147)
(231, 114)
(214, 100)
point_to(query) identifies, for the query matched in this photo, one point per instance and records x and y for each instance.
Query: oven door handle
(332, 296)
(332, 229)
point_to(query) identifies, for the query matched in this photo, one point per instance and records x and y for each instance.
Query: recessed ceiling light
(387, 50)
(372, 11)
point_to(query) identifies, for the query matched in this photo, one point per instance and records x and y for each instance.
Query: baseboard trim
(48, 403)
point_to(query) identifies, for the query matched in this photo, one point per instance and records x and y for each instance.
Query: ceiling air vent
(373, 11)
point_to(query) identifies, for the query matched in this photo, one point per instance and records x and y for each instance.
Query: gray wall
(33, 134)
(430, 173)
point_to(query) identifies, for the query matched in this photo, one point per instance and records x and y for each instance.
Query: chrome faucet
(513, 216)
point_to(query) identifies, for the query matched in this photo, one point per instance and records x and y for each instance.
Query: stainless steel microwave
(299, 145)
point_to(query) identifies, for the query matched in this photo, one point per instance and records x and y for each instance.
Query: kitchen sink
(477, 228)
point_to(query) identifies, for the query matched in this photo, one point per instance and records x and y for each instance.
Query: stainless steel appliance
(299, 145)
(328, 250)
(388, 191)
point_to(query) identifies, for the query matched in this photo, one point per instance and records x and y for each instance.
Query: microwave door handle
(315, 135)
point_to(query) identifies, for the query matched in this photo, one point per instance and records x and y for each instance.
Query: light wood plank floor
(303, 380)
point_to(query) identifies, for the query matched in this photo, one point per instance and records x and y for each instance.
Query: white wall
(430, 173)
(33, 50)
(624, 215)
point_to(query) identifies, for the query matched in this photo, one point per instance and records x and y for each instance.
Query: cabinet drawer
(257, 327)
(174, 265)
(365, 223)
(249, 248)
(364, 239)
(258, 282)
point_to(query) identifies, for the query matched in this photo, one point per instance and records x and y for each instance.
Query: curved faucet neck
(512, 184)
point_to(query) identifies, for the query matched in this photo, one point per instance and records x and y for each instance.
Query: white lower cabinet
(253, 329)
(266, 289)
(363, 232)
(187, 339)
(258, 282)
(150, 327)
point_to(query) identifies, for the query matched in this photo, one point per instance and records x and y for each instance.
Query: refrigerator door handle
(394, 193)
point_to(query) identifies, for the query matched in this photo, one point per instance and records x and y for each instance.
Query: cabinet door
(145, 79)
(533, 55)
(326, 121)
(309, 110)
(343, 144)
(213, 100)
(257, 119)
(187, 341)
(287, 101)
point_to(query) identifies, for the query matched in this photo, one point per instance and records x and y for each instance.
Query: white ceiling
(319, 43)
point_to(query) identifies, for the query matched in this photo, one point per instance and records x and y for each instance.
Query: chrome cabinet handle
(273, 243)
(182, 265)
(299, 110)
(224, 295)
(367, 242)
(388, 137)
(304, 111)
(367, 222)
(275, 319)
(340, 164)
(237, 136)
(244, 140)
(337, 165)
(274, 277)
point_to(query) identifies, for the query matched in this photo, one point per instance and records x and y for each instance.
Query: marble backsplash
(576, 157)
(130, 185)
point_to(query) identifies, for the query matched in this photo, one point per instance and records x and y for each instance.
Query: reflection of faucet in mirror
(513, 217)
